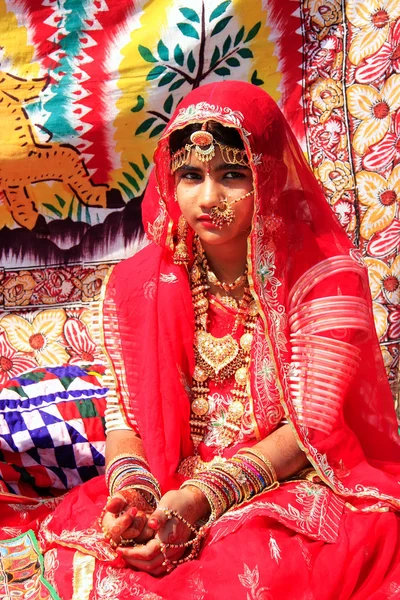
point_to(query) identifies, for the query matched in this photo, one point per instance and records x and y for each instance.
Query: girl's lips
(205, 218)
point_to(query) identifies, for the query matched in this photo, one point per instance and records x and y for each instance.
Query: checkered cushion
(52, 429)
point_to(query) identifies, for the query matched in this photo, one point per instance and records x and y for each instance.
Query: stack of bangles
(131, 471)
(234, 481)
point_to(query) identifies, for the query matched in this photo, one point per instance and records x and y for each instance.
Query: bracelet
(263, 459)
(194, 543)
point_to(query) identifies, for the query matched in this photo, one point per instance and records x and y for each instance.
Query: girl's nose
(209, 195)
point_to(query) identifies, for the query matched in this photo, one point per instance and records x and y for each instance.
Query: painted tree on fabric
(172, 68)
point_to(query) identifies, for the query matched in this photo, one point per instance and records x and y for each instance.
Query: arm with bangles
(179, 511)
(126, 512)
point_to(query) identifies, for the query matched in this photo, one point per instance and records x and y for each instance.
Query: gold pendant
(236, 410)
(200, 407)
(216, 352)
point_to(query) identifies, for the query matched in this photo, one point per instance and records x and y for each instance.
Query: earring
(222, 215)
(181, 254)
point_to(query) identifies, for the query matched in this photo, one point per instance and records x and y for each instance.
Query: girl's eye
(190, 175)
(235, 175)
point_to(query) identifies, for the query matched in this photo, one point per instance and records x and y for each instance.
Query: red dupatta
(148, 315)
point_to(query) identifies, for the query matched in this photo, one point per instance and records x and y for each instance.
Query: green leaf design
(53, 209)
(178, 55)
(79, 212)
(127, 190)
(71, 208)
(233, 62)
(155, 72)
(137, 170)
(253, 32)
(139, 104)
(146, 163)
(190, 14)
(176, 85)
(219, 10)
(146, 54)
(215, 56)
(239, 36)
(168, 104)
(222, 71)
(87, 216)
(131, 180)
(61, 201)
(188, 30)
(157, 130)
(191, 63)
(167, 78)
(145, 125)
(255, 80)
(227, 45)
(245, 53)
(162, 50)
(220, 25)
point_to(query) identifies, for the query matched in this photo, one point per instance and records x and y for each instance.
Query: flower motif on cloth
(83, 348)
(374, 108)
(373, 20)
(381, 197)
(384, 280)
(251, 580)
(336, 177)
(383, 62)
(325, 13)
(386, 153)
(18, 290)
(326, 95)
(39, 337)
(12, 362)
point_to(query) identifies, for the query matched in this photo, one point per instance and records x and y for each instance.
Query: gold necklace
(218, 358)
(227, 287)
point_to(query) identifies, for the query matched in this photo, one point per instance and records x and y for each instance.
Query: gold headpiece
(204, 148)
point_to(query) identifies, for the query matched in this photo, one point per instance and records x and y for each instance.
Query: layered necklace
(218, 359)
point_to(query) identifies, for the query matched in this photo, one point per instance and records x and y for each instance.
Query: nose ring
(222, 215)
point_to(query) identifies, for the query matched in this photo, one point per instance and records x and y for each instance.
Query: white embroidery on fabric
(51, 564)
(110, 584)
(204, 110)
(156, 228)
(218, 414)
(274, 549)
(251, 580)
(168, 278)
(267, 407)
(149, 289)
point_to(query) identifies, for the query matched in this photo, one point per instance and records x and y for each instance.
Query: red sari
(334, 534)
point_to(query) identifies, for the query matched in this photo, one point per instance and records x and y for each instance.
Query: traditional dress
(333, 531)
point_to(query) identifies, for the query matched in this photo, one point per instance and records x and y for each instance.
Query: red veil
(297, 254)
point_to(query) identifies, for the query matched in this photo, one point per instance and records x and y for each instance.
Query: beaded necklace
(218, 359)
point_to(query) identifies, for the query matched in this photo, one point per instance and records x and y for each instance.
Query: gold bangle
(263, 459)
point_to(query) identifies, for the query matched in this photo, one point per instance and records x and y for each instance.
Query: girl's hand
(192, 505)
(126, 517)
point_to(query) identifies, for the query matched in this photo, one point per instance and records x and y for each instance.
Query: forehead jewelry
(224, 215)
(203, 143)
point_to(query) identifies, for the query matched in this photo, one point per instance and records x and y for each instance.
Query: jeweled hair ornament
(203, 143)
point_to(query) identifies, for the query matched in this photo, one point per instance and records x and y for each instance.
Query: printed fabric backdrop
(87, 87)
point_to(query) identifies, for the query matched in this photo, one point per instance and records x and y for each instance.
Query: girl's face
(202, 186)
